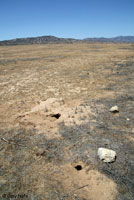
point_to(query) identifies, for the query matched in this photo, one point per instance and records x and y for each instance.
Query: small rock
(114, 109)
(133, 130)
(41, 152)
(106, 155)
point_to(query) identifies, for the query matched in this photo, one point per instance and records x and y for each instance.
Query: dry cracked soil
(54, 115)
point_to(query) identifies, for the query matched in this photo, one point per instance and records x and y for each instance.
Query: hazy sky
(66, 18)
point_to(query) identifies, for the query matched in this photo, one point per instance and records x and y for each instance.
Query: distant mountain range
(120, 39)
(37, 40)
(52, 39)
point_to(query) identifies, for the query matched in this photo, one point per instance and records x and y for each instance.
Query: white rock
(106, 155)
(114, 109)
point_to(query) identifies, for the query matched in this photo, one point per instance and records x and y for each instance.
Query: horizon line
(67, 37)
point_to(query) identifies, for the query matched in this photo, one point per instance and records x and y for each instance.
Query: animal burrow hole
(57, 115)
(78, 167)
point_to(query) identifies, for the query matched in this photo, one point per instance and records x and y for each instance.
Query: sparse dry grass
(89, 74)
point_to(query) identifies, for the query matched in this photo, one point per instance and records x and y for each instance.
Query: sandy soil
(54, 115)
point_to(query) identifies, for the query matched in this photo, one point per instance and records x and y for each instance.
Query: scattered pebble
(114, 109)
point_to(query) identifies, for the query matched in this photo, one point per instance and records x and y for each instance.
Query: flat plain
(54, 115)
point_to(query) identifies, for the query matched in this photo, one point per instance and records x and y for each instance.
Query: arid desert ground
(54, 115)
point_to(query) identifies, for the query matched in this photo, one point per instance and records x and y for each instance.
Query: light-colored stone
(106, 155)
(114, 109)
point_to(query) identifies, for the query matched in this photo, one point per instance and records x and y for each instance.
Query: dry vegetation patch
(54, 115)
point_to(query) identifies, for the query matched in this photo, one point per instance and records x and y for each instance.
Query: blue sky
(66, 18)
